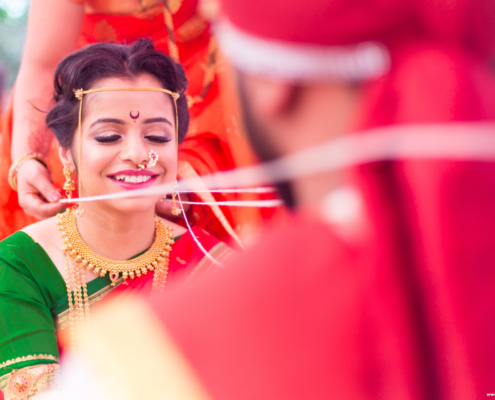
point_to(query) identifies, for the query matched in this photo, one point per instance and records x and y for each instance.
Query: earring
(175, 210)
(69, 185)
(152, 157)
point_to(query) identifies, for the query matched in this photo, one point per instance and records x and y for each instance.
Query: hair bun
(142, 44)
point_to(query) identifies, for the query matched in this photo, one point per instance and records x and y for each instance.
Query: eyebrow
(160, 119)
(108, 120)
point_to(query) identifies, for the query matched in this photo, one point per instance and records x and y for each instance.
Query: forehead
(122, 102)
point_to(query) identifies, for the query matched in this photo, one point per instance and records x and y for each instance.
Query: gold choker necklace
(78, 257)
(157, 254)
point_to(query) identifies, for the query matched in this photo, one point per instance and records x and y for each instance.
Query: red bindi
(134, 116)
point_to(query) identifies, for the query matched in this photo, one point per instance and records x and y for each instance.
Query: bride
(119, 117)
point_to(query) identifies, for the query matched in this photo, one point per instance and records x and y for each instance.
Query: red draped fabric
(187, 263)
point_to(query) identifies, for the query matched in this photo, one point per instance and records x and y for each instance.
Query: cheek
(168, 161)
(95, 159)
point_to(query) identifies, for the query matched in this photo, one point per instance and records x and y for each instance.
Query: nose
(135, 150)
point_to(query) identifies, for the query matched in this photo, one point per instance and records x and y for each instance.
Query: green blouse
(33, 300)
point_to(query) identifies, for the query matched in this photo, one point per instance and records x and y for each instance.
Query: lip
(134, 186)
(133, 172)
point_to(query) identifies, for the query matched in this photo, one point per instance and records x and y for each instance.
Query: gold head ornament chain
(79, 93)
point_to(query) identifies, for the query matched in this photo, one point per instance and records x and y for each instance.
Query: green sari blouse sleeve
(29, 286)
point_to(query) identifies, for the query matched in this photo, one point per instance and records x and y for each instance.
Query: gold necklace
(157, 254)
(78, 256)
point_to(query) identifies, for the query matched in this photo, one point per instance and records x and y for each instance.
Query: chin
(137, 205)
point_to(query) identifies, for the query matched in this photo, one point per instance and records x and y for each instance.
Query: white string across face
(128, 139)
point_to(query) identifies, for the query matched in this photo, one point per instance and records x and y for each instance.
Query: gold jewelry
(157, 254)
(69, 185)
(175, 210)
(16, 165)
(78, 257)
(78, 211)
(152, 157)
(25, 382)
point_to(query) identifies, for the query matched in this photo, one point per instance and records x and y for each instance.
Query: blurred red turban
(433, 54)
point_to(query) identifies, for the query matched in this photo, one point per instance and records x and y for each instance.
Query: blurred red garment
(404, 312)
(395, 306)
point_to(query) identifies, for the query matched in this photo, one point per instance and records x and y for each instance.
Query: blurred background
(13, 19)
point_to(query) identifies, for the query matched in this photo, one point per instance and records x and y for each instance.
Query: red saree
(187, 263)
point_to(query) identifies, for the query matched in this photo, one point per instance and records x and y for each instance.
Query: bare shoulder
(178, 230)
(46, 234)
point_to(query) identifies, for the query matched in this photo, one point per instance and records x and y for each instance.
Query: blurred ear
(269, 99)
(66, 157)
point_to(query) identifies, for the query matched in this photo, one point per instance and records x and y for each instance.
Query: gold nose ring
(152, 157)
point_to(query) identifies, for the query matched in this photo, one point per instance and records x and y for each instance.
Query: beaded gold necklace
(78, 257)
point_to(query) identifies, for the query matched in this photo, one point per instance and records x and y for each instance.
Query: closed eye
(158, 139)
(107, 139)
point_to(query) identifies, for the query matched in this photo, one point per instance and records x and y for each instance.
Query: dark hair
(85, 67)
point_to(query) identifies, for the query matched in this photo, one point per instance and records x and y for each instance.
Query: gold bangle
(16, 165)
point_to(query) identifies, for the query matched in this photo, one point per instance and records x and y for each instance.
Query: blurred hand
(37, 195)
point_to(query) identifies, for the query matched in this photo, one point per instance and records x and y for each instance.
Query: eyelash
(158, 139)
(114, 138)
(107, 139)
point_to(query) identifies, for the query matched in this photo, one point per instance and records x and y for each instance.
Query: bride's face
(118, 131)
